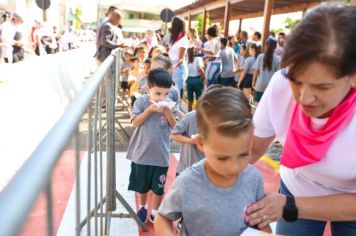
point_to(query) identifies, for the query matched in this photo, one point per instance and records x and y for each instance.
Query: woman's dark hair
(159, 77)
(178, 27)
(213, 31)
(325, 35)
(271, 45)
(257, 49)
(224, 41)
(190, 53)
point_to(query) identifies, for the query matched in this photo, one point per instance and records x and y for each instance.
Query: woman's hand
(267, 210)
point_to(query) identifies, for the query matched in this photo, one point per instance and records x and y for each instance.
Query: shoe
(151, 218)
(142, 214)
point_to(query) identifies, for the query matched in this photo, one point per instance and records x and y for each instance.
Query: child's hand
(154, 108)
(193, 139)
(168, 113)
(254, 85)
(238, 84)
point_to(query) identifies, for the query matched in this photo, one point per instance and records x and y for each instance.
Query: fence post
(110, 142)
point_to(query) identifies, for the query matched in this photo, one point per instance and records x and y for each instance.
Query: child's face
(136, 64)
(141, 53)
(127, 58)
(157, 93)
(226, 157)
(146, 67)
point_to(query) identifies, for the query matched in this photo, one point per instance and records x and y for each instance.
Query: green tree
(290, 23)
(199, 25)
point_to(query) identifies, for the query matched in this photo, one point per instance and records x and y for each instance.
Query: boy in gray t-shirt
(228, 61)
(211, 196)
(184, 133)
(149, 146)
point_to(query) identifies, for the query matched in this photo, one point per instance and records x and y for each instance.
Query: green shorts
(144, 178)
(258, 96)
(228, 81)
(194, 85)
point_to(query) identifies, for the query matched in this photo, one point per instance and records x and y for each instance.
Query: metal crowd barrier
(34, 177)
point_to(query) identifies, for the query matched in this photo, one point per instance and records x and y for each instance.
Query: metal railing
(35, 176)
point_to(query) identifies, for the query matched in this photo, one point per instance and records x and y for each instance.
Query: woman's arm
(209, 52)
(337, 207)
(259, 147)
(163, 226)
(181, 56)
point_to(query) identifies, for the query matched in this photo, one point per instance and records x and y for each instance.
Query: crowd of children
(196, 65)
(215, 138)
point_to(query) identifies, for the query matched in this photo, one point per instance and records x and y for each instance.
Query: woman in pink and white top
(310, 107)
(177, 51)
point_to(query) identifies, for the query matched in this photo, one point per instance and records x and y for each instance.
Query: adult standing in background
(178, 49)
(107, 16)
(18, 53)
(109, 37)
(193, 38)
(243, 37)
(151, 39)
(256, 38)
(212, 51)
(280, 44)
(8, 31)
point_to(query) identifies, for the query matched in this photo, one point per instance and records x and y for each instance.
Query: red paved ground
(63, 179)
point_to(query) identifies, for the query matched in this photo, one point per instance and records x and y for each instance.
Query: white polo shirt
(174, 50)
(8, 30)
(335, 173)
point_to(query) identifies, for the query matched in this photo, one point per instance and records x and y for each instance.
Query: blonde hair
(226, 110)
